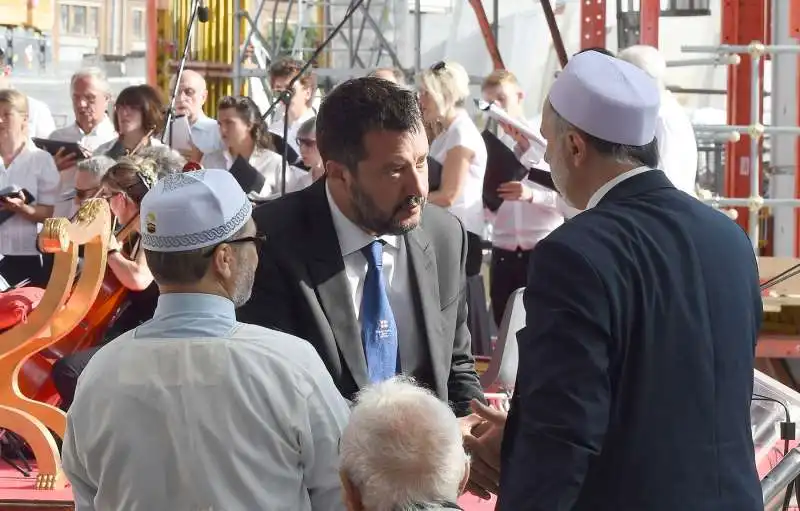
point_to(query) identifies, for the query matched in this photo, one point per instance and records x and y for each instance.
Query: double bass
(35, 381)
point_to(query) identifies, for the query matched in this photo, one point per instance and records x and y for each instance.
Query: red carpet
(472, 503)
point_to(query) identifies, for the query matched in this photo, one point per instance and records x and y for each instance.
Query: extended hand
(515, 190)
(13, 204)
(484, 445)
(192, 154)
(523, 144)
(64, 160)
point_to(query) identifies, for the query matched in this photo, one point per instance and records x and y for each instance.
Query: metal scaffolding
(755, 131)
(375, 36)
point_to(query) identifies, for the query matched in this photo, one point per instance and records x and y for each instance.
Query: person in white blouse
(529, 212)
(459, 147)
(91, 95)
(243, 134)
(40, 120)
(33, 171)
(677, 145)
(189, 102)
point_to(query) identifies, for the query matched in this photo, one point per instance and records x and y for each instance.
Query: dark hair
(598, 49)
(148, 101)
(183, 267)
(288, 68)
(357, 107)
(249, 112)
(646, 155)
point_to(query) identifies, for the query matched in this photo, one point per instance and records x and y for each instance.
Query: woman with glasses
(138, 118)
(124, 185)
(307, 142)
(243, 134)
(30, 184)
(458, 146)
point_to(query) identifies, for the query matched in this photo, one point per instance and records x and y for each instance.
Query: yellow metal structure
(14, 13)
(211, 51)
(41, 14)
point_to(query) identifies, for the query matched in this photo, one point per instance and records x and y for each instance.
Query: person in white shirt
(300, 107)
(677, 146)
(33, 173)
(193, 410)
(309, 153)
(243, 135)
(40, 120)
(91, 95)
(189, 102)
(386, 465)
(459, 148)
(529, 211)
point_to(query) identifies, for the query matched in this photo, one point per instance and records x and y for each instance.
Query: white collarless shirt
(603, 190)
(269, 164)
(396, 272)
(521, 224)
(102, 133)
(677, 146)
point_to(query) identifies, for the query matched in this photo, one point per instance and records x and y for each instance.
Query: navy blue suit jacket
(636, 364)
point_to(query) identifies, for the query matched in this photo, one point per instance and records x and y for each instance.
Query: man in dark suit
(358, 264)
(636, 363)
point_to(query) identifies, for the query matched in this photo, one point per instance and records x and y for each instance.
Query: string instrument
(35, 381)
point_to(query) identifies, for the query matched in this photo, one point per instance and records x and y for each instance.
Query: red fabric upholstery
(16, 304)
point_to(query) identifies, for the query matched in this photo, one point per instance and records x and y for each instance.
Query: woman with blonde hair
(458, 146)
(32, 176)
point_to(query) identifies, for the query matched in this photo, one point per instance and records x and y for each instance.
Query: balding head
(401, 447)
(648, 59)
(191, 96)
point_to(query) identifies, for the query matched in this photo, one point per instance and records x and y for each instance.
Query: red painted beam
(151, 24)
(743, 21)
(593, 24)
(649, 13)
(486, 31)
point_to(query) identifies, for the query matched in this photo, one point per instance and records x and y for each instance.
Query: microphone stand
(181, 65)
(285, 96)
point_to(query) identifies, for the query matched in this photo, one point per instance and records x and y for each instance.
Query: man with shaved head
(189, 101)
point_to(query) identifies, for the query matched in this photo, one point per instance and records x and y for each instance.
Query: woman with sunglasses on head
(244, 134)
(458, 146)
(124, 185)
(138, 118)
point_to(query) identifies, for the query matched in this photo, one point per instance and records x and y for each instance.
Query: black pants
(66, 372)
(508, 272)
(15, 269)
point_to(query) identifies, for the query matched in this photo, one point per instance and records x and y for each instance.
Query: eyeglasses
(439, 66)
(258, 240)
(308, 142)
(89, 193)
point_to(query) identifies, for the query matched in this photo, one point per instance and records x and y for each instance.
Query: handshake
(483, 436)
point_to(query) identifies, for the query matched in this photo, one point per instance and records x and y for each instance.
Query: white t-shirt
(468, 206)
(40, 121)
(35, 171)
(677, 146)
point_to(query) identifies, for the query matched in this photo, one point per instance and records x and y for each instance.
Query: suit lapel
(422, 261)
(326, 269)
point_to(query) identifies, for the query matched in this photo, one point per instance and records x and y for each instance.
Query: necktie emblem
(378, 327)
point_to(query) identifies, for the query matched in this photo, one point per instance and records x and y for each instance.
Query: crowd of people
(314, 350)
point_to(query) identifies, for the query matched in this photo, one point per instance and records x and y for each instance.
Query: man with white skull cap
(642, 313)
(193, 410)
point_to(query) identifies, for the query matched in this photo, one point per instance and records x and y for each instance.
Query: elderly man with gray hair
(88, 177)
(387, 465)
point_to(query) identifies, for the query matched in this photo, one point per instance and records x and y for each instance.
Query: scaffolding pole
(755, 131)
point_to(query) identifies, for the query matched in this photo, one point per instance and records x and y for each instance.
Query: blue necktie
(378, 329)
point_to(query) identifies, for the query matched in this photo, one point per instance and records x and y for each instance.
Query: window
(80, 20)
(670, 7)
(138, 25)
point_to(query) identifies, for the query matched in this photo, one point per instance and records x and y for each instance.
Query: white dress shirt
(205, 134)
(40, 121)
(603, 190)
(677, 146)
(396, 272)
(468, 206)
(269, 164)
(35, 171)
(102, 133)
(277, 128)
(195, 411)
(521, 224)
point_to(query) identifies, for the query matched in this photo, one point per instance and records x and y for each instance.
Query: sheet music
(538, 144)
(181, 134)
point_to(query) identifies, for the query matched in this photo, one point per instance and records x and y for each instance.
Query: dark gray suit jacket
(301, 288)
